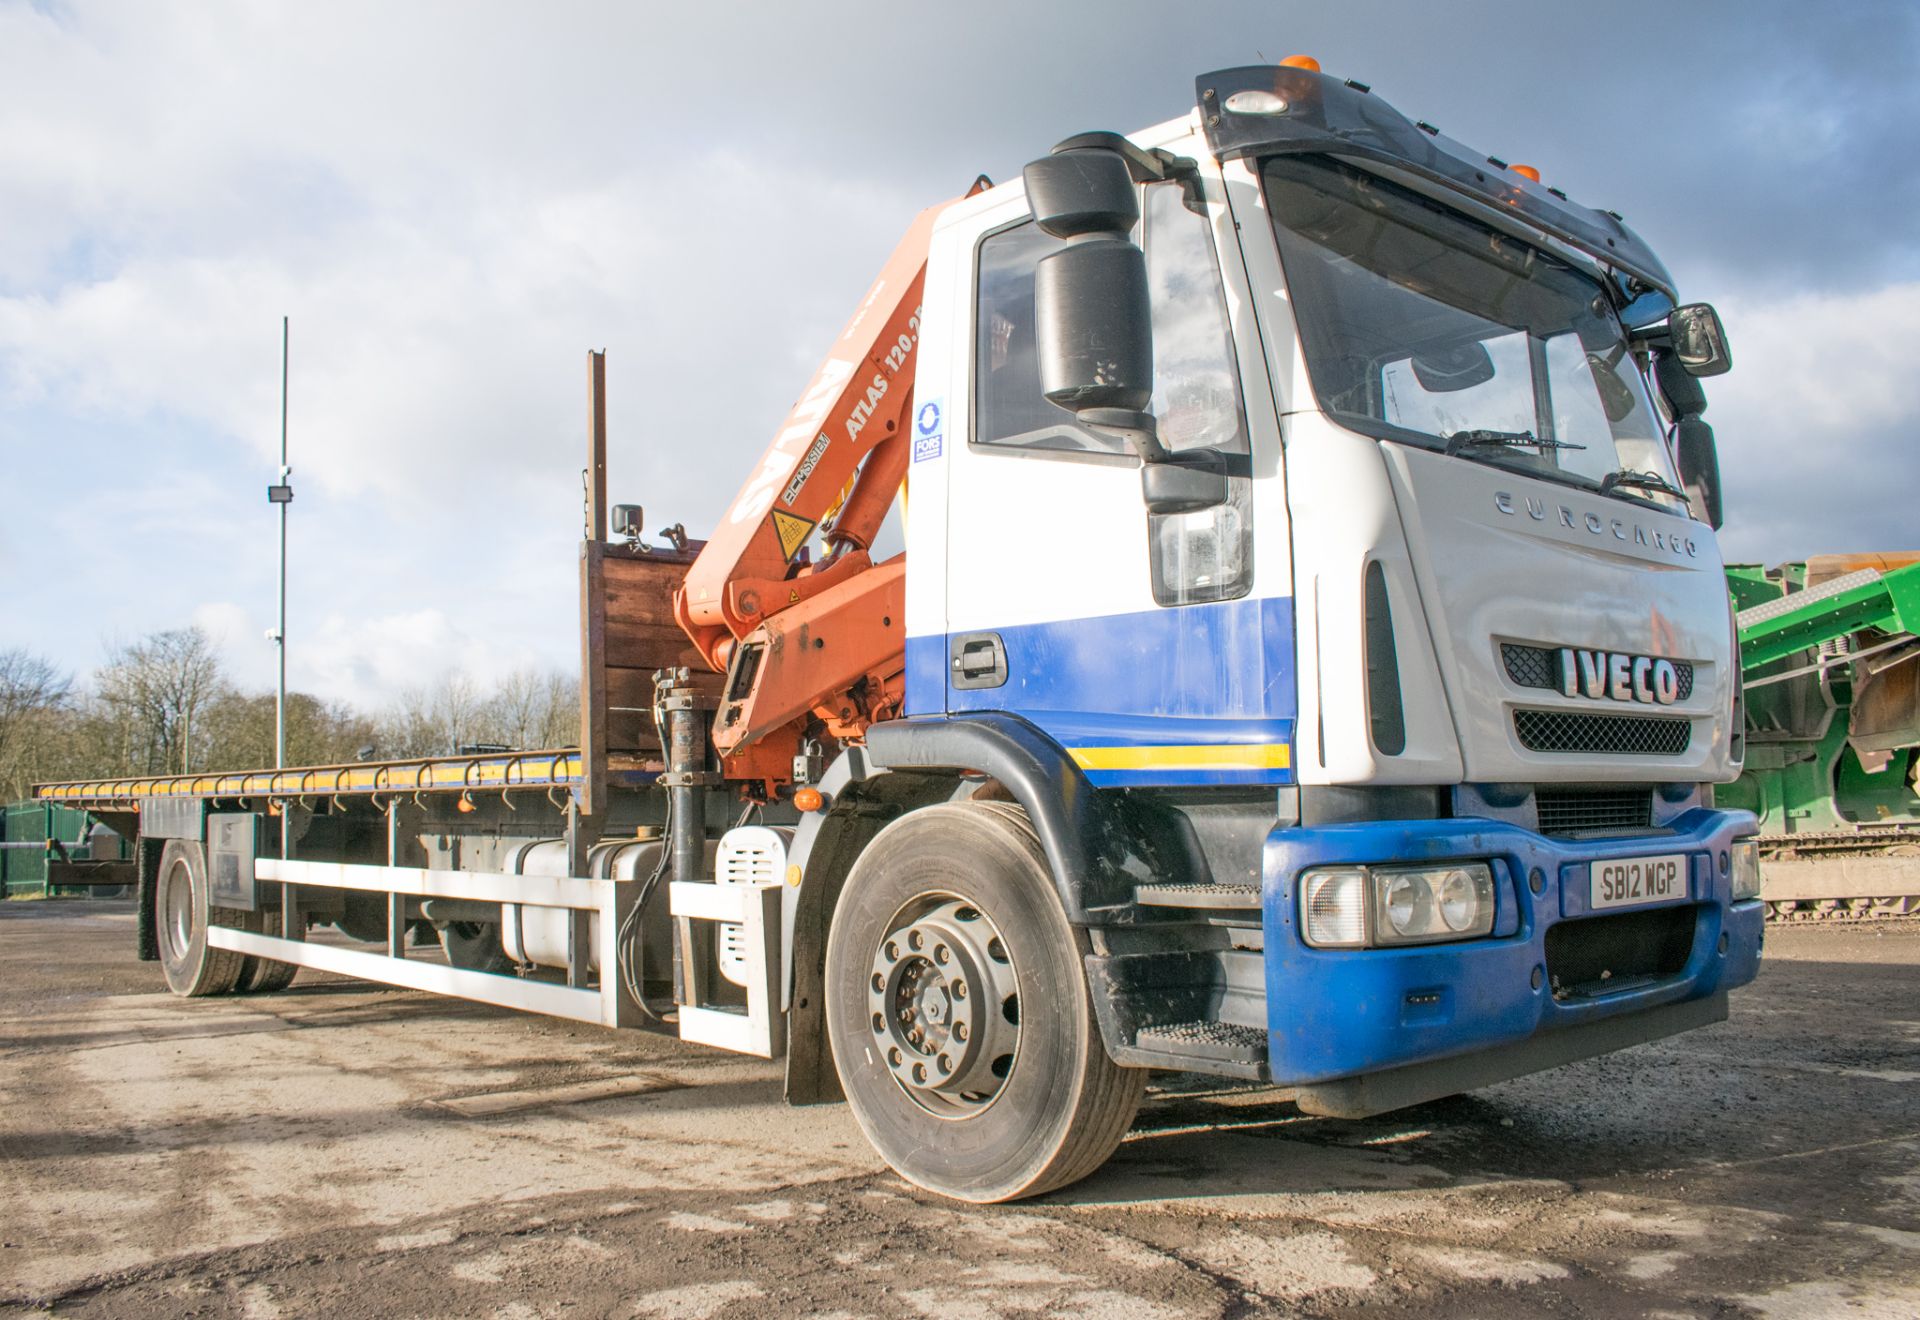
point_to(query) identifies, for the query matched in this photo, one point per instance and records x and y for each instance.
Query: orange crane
(796, 638)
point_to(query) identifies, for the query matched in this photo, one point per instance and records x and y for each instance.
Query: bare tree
(531, 710)
(157, 689)
(32, 691)
(560, 721)
(240, 731)
(434, 721)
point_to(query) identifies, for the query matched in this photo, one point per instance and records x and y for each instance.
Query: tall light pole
(282, 495)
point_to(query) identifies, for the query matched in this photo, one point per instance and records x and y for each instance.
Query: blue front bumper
(1335, 1013)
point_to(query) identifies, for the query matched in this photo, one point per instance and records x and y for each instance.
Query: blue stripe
(1199, 674)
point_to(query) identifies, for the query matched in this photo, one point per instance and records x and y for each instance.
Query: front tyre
(959, 1015)
(180, 916)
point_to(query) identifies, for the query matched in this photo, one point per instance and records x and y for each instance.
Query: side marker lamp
(1334, 904)
(1746, 869)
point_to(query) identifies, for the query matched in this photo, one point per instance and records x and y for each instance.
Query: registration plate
(1634, 880)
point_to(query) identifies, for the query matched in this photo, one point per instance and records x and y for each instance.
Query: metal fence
(25, 828)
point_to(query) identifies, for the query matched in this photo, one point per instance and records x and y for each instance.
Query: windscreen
(1421, 325)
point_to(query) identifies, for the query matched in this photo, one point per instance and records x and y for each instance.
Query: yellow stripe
(1230, 756)
(531, 770)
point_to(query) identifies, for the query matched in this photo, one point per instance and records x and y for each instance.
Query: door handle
(979, 660)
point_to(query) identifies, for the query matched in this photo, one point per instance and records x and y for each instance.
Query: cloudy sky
(454, 201)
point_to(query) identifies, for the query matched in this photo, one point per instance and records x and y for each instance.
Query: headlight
(1430, 903)
(1746, 869)
(1353, 907)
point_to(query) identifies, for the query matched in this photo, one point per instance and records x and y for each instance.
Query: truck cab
(1432, 697)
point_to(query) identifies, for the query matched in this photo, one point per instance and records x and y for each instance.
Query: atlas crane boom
(794, 636)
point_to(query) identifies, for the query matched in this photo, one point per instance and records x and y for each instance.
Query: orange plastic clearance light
(1526, 172)
(808, 799)
(464, 806)
(1306, 62)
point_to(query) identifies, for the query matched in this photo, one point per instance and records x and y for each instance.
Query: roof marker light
(1306, 62)
(1526, 172)
(1257, 102)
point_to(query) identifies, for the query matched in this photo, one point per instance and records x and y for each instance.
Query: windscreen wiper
(1632, 480)
(1480, 436)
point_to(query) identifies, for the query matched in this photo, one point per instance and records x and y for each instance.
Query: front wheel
(959, 1014)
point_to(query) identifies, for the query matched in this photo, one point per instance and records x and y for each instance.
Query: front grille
(1624, 735)
(1530, 666)
(1603, 955)
(1539, 667)
(1574, 810)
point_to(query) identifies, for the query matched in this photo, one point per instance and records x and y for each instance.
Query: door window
(1195, 557)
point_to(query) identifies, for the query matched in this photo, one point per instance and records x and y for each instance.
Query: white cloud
(375, 658)
(1817, 424)
(230, 626)
(1822, 364)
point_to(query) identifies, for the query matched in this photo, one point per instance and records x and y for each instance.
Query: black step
(1210, 897)
(1221, 1042)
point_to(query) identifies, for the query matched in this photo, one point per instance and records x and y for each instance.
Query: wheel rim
(944, 1006)
(178, 901)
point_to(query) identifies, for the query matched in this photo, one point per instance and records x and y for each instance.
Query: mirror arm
(1138, 429)
(1155, 165)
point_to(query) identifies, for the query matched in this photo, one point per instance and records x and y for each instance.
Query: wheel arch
(1099, 846)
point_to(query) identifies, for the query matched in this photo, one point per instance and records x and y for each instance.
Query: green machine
(47, 849)
(1830, 668)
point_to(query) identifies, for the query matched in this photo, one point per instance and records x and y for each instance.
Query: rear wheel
(263, 976)
(180, 917)
(959, 1013)
(474, 946)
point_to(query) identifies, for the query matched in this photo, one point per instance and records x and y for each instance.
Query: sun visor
(1264, 110)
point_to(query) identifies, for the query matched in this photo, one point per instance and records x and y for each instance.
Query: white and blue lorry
(1309, 664)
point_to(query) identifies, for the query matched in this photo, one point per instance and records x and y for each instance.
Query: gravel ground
(346, 1150)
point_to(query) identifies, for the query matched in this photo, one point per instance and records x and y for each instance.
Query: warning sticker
(792, 530)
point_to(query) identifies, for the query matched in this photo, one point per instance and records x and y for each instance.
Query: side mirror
(1694, 452)
(1093, 320)
(1186, 482)
(1093, 327)
(1698, 459)
(1699, 340)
